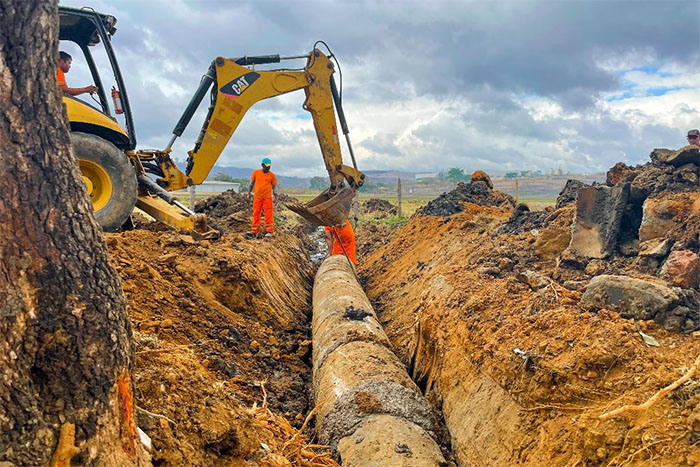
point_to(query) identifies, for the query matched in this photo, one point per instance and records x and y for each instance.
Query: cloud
(427, 86)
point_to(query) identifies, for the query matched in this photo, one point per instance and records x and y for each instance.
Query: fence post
(191, 197)
(356, 208)
(398, 188)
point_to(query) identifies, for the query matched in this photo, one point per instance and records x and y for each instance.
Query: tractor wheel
(109, 179)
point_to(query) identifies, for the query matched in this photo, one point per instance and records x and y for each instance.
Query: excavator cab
(100, 142)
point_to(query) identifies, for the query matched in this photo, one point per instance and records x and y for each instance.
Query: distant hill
(237, 172)
(388, 175)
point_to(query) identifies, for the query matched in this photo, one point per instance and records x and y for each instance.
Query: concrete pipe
(368, 409)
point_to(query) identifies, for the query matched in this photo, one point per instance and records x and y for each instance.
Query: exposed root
(66, 448)
(297, 449)
(154, 415)
(653, 399)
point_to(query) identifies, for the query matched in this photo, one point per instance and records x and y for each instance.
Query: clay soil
(222, 347)
(522, 375)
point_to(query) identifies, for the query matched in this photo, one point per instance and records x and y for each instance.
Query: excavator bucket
(326, 209)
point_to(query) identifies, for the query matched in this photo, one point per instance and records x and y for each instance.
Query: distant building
(215, 187)
(426, 175)
(558, 171)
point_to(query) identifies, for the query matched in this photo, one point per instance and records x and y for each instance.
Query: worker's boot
(250, 235)
(269, 234)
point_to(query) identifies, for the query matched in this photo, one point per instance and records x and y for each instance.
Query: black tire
(124, 187)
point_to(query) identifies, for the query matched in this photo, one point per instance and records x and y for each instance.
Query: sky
(479, 85)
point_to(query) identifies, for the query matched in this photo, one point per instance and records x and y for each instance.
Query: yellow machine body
(238, 88)
(79, 112)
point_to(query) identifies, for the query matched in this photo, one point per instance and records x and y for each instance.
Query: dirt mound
(520, 365)
(376, 205)
(224, 204)
(450, 203)
(654, 177)
(524, 220)
(568, 193)
(231, 212)
(218, 327)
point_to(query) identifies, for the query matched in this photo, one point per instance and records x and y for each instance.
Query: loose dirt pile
(381, 206)
(523, 344)
(231, 212)
(451, 202)
(222, 344)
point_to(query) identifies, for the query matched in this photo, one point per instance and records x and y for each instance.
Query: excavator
(118, 177)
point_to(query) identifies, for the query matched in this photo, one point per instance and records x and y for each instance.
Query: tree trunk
(65, 339)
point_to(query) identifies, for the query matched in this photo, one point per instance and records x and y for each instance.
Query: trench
(369, 410)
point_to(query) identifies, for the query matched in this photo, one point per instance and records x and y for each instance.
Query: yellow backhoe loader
(118, 177)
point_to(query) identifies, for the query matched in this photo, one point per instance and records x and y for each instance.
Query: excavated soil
(379, 206)
(222, 341)
(520, 371)
(452, 202)
(479, 299)
(369, 237)
(231, 212)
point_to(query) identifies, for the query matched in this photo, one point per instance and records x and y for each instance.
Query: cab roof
(80, 25)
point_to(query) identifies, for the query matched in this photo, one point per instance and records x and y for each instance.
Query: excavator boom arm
(237, 89)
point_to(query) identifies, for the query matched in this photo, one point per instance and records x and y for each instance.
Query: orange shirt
(263, 184)
(61, 78)
(347, 238)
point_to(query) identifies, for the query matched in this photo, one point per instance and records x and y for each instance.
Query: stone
(599, 211)
(674, 308)
(569, 192)
(575, 285)
(656, 248)
(667, 216)
(682, 269)
(534, 280)
(481, 176)
(629, 248)
(632, 298)
(616, 174)
(488, 270)
(552, 241)
(595, 268)
(687, 173)
(505, 264)
(687, 154)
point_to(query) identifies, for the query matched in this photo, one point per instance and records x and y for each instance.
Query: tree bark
(65, 338)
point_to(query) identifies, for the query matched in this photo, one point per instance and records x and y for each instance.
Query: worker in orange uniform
(64, 63)
(263, 184)
(347, 241)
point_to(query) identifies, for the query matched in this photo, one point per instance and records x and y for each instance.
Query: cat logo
(238, 86)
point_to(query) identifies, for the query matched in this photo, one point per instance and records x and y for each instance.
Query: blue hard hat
(266, 161)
